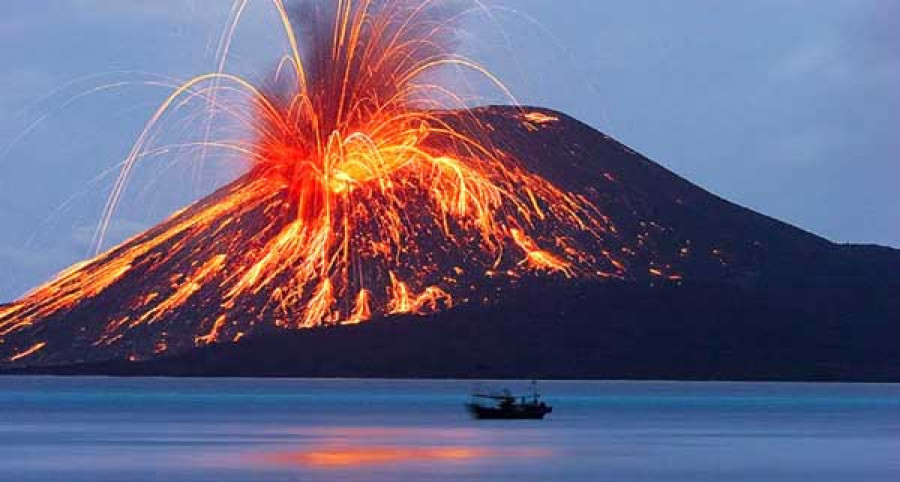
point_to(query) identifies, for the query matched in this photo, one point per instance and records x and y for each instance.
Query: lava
(368, 184)
(28, 352)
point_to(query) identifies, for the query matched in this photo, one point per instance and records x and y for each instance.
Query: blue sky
(789, 107)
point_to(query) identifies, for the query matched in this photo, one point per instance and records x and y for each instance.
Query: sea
(220, 430)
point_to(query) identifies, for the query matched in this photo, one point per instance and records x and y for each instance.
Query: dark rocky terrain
(712, 291)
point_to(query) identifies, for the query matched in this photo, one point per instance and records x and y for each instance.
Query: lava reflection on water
(365, 455)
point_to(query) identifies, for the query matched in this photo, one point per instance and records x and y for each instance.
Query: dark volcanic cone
(188, 282)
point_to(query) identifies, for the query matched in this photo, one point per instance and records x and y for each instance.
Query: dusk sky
(787, 107)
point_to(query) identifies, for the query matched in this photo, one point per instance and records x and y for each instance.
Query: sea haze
(105, 429)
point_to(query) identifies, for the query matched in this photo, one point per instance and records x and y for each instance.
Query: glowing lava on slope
(371, 190)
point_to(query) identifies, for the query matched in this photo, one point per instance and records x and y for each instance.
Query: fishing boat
(506, 406)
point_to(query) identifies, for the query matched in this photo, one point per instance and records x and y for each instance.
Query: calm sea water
(99, 429)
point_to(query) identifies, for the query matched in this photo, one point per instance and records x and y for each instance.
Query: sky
(788, 107)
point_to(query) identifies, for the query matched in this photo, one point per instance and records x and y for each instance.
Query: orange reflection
(359, 456)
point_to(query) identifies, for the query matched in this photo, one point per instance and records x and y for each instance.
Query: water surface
(104, 429)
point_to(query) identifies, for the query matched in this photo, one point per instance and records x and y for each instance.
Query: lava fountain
(370, 190)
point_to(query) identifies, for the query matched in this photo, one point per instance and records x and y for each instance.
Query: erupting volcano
(366, 194)
(371, 189)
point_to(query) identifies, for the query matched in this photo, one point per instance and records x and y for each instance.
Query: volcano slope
(681, 284)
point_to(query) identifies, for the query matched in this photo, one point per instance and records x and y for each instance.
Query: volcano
(666, 262)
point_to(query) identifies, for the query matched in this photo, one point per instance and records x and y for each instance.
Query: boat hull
(517, 413)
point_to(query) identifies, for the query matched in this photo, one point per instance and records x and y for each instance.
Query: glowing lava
(371, 190)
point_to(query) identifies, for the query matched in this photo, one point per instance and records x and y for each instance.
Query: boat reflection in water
(506, 406)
